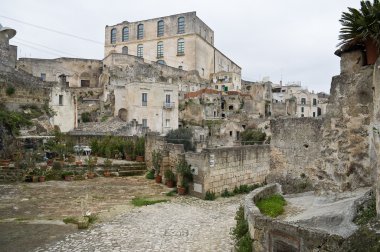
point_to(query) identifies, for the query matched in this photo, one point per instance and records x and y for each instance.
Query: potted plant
(184, 176)
(68, 175)
(129, 150)
(90, 163)
(41, 177)
(362, 27)
(157, 161)
(140, 149)
(107, 166)
(169, 178)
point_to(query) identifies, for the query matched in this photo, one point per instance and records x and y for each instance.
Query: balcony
(169, 105)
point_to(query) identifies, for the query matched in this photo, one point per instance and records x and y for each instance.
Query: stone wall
(275, 235)
(345, 162)
(11, 174)
(224, 168)
(296, 144)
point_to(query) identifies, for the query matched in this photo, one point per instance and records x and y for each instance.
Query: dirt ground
(31, 214)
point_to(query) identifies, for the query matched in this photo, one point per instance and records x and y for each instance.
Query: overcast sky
(292, 40)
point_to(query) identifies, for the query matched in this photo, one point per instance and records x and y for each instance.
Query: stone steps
(131, 173)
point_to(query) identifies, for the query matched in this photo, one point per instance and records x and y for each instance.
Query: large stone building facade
(182, 41)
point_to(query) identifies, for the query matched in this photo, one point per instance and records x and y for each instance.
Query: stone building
(154, 105)
(182, 41)
(78, 72)
(293, 100)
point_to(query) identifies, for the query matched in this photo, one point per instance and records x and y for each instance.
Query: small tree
(184, 173)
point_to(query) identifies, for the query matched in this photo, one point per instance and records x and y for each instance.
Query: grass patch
(272, 206)
(366, 212)
(144, 201)
(241, 233)
(92, 218)
(172, 192)
(71, 219)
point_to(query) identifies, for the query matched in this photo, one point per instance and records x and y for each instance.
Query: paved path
(185, 224)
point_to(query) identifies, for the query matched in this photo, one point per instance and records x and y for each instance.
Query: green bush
(271, 206)
(169, 175)
(10, 90)
(366, 212)
(181, 136)
(226, 193)
(241, 232)
(13, 121)
(150, 174)
(210, 195)
(252, 136)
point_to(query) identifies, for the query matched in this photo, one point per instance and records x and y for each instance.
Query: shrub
(169, 175)
(86, 117)
(10, 90)
(226, 193)
(140, 146)
(150, 174)
(57, 166)
(252, 136)
(241, 232)
(366, 212)
(210, 195)
(181, 136)
(271, 206)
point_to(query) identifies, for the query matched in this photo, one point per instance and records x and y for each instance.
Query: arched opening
(319, 111)
(122, 114)
(124, 50)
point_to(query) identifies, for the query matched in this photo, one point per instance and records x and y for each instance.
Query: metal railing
(169, 105)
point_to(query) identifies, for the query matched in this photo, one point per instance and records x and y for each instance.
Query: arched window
(125, 34)
(124, 50)
(181, 46)
(140, 31)
(181, 25)
(113, 36)
(140, 51)
(160, 49)
(160, 28)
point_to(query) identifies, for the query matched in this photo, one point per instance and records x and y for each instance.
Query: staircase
(132, 169)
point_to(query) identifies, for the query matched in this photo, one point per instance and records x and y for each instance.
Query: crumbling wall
(345, 163)
(224, 168)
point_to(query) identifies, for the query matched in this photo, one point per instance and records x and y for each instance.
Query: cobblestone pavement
(184, 224)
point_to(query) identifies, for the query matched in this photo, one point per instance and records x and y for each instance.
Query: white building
(154, 105)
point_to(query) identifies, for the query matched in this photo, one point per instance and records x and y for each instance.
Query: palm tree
(362, 27)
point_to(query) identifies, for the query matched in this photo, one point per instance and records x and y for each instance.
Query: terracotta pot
(78, 163)
(5, 162)
(181, 190)
(158, 179)
(140, 158)
(170, 183)
(106, 173)
(41, 179)
(69, 178)
(372, 52)
(90, 175)
(128, 158)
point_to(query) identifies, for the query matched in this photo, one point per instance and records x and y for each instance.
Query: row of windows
(144, 99)
(160, 49)
(303, 101)
(145, 122)
(140, 30)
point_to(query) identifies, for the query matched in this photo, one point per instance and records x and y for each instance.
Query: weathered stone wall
(296, 144)
(345, 162)
(224, 168)
(275, 235)
(11, 174)
(374, 134)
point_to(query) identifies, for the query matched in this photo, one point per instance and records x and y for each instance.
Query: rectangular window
(303, 101)
(181, 25)
(140, 31)
(167, 98)
(313, 114)
(145, 122)
(167, 123)
(181, 47)
(160, 49)
(60, 100)
(85, 83)
(302, 109)
(314, 102)
(237, 135)
(140, 51)
(144, 99)
(43, 76)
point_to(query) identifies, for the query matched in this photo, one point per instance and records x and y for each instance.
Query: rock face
(344, 163)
